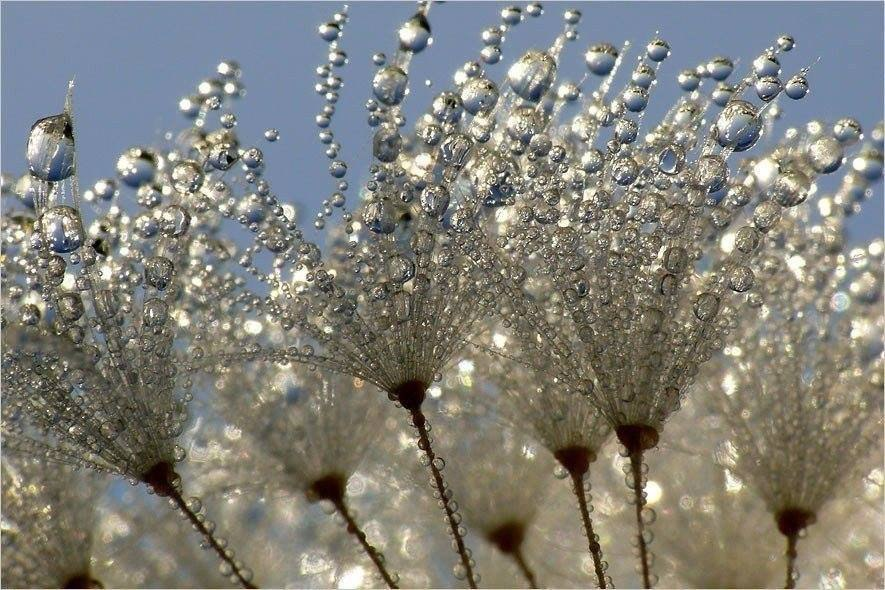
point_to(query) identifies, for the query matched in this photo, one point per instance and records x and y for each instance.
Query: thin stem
(376, 556)
(420, 422)
(213, 542)
(792, 554)
(519, 558)
(636, 467)
(595, 549)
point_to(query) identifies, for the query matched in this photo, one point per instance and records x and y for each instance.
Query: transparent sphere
(479, 96)
(532, 75)
(720, 68)
(389, 85)
(62, 229)
(435, 200)
(657, 50)
(635, 98)
(601, 58)
(847, 131)
(50, 149)
(739, 126)
(414, 34)
(137, 166)
(187, 177)
(825, 154)
(158, 272)
(790, 188)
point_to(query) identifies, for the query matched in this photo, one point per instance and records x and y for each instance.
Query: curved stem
(420, 422)
(792, 554)
(636, 467)
(595, 549)
(376, 556)
(519, 558)
(213, 542)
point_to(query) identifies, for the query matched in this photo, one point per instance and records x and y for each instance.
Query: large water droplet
(479, 96)
(657, 50)
(738, 126)
(158, 272)
(720, 68)
(532, 75)
(389, 85)
(137, 166)
(635, 98)
(790, 188)
(187, 177)
(51, 148)
(435, 200)
(414, 34)
(601, 58)
(387, 144)
(62, 229)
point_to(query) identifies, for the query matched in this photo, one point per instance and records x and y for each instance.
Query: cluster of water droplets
(620, 254)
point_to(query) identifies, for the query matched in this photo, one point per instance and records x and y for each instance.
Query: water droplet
(378, 217)
(825, 154)
(643, 76)
(446, 107)
(868, 163)
(479, 96)
(688, 80)
(601, 58)
(532, 75)
(523, 123)
(187, 177)
(738, 126)
(766, 215)
(722, 94)
(62, 229)
(766, 65)
(253, 158)
(51, 148)
(387, 144)
(747, 239)
(158, 272)
(329, 31)
(740, 279)
(768, 87)
(790, 188)
(435, 200)
(222, 156)
(511, 15)
(671, 159)
(389, 85)
(720, 68)
(414, 34)
(174, 221)
(658, 50)
(70, 306)
(786, 42)
(137, 166)
(635, 98)
(847, 131)
(706, 306)
(796, 87)
(155, 312)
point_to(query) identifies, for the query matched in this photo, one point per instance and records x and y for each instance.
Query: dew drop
(50, 149)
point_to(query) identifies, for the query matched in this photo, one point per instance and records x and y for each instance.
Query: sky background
(134, 60)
